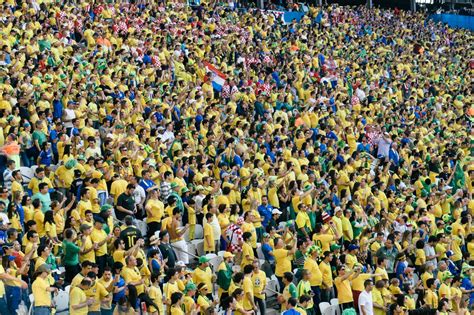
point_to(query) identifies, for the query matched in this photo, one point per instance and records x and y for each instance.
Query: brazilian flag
(459, 180)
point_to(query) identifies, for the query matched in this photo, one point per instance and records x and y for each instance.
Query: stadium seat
(32, 302)
(61, 300)
(215, 261)
(324, 307)
(186, 236)
(198, 232)
(260, 254)
(335, 302)
(27, 174)
(199, 244)
(142, 226)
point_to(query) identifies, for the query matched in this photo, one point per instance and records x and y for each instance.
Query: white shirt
(365, 299)
(430, 251)
(139, 195)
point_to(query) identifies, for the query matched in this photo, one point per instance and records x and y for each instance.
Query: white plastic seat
(215, 261)
(27, 174)
(61, 300)
(142, 226)
(260, 254)
(32, 303)
(333, 310)
(199, 244)
(198, 232)
(186, 236)
(324, 307)
(335, 302)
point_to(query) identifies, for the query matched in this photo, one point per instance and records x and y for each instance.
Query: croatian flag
(217, 77)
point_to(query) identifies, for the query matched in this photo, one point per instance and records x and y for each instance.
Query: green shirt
(71, 253)
(40, 136)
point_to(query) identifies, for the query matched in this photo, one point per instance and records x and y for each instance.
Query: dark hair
(248, 269)
(49, 217)
(41, 186)
(41, 249)
(292, 301)
(288, 276)
(430, 282)
(420, 244)
(238, 277)
(175, 297)
(246, 236)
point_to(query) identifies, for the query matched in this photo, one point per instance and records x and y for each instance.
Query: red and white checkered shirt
(234, 234)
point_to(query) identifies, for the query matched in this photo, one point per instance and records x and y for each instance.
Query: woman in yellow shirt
(420, 255)
(176, 304)
(50, 227)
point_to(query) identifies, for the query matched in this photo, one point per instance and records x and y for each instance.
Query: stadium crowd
(331, 157)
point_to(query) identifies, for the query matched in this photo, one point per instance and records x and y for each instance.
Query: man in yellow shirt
(351, 258)
(343, 285)
(247, 250)
(431, 298)
(247, 286)
(98, 293)
(259, 282)
(326, 273)
(99, 238)
(303, 223)
(283, 258)
(131, 275)
(312, 266)
(78, 301)
(42, 290)
(203, 273)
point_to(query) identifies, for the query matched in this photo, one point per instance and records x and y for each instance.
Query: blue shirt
(46, 157)
(119, 295)
(266, 213)
(266, 249)
(57, 109)
(146, 183)
(466, 284)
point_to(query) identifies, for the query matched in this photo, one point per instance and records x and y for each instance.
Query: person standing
(343, 286)
(366, 306)
(316, 279)
(259, 282)
(42, 291)
(224, 276)
(79, 303)
(176, 235)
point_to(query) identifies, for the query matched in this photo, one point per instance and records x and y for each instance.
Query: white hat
(276, 211)
(447, 187)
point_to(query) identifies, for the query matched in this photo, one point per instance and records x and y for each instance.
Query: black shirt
(127, 202)
(129, 236)
(168, 252)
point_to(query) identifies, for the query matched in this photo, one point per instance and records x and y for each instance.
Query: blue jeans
(13, 295)
(41, 310)
(104, 311)
(3, 305)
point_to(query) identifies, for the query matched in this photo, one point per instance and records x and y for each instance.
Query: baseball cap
(335, 247)
(353, 247)
(203, 259)
(228, 255)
